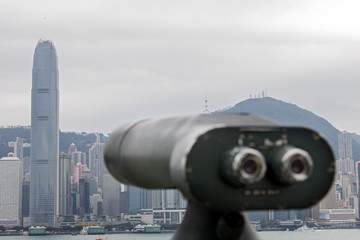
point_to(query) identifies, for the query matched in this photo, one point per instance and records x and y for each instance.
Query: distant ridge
(291, 115)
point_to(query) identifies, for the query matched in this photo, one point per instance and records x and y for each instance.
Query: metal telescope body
(223, 164)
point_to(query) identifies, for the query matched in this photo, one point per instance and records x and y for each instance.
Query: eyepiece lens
(243, 165)
(297, 166)
(292, 165)
(250, 166)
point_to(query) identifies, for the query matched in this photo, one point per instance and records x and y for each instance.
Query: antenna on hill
(262, 94)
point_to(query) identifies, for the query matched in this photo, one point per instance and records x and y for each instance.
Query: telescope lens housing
(226, 162)
(291, 165)
(243, 166)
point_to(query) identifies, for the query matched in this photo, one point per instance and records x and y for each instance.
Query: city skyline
(124, 61)
(88, 202)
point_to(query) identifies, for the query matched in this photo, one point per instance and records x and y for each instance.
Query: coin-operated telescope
(223, 164)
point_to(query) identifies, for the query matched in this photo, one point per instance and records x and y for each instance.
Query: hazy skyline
(123, 61)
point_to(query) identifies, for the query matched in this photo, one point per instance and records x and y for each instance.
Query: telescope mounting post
(203, 223)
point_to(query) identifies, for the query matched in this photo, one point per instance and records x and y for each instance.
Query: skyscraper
(10, 191)
(134, 198)
(345, 162)
(44, 135)
(26, 200)
(111, 195)
(357, 174)
(345, 145)
(64, 185)
(96, 161)
(19, 148)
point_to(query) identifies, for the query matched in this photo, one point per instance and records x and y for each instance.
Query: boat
(96, 230)
(147, 228)
(305, 228)
(101, 238)
(84, 231)
(37, 231)
(92, 230)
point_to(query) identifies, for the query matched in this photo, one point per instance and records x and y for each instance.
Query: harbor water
(348, 234)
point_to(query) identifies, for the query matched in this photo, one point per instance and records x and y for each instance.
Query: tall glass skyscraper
(44, 135)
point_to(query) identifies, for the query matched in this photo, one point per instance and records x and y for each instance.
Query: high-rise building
(167, 199)
(345, 187)
(124, 202)
(84, 196)
(10, 191)
(329, 202)
(157, 198)
(44, 135)
(345, 145)
(64, 184)
(79, 157)
(134, 195)
(26, 165)
(96, 161)
(26, 201)
(72, 149)
(357, 175)
(19, 148)
(345, 166)
(19, 153)
(95, 199)
(111, 195)
(345, 163)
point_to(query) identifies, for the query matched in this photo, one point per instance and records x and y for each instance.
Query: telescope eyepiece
(243, 166)
(298, 165)
(292, 165)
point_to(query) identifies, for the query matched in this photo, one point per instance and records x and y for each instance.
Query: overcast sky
(122, 61)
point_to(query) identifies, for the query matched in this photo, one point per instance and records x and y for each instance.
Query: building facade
(44, 135)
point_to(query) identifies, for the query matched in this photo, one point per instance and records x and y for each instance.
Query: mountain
(291, 115)
(276, 110)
